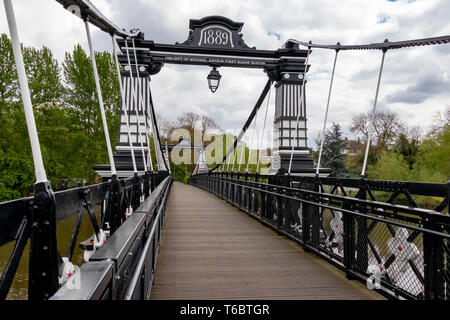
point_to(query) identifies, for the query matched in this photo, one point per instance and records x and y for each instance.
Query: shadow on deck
(212, 250)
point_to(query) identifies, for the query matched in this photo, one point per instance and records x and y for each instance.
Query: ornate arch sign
(215, 32)
(217, 41)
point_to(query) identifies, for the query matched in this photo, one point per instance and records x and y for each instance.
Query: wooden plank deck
(212, 250)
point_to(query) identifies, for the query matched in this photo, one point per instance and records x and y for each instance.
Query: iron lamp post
(214, 79)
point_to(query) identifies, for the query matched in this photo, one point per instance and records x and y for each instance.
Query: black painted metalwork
(137, 192)
(13, 262)
(155, 55)
(380, 46)
(116, 204)
(36, 218)
(216, 41)
(146, 185)
(89, 11)
(213, 79)
(124, 267)
(43, 265)
(399, 247)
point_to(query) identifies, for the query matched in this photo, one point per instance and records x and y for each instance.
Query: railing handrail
(67, 204)
(116, 198)
(362, 202)
(405, 248)
(140, 265)
(110, 252)
(414, 187)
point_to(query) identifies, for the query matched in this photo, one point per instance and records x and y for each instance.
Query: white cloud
(414, 84)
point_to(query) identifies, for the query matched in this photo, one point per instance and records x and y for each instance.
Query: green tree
(333, 146)
(412, 160)
(16, 167)
(433, 160)
(390, 166)
(80, 94)
(408, 148)
(44, 77)
(67, 117)
(8, 78)
(81, 99)
(385, 127)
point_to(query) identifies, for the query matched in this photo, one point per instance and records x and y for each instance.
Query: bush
(390, 166)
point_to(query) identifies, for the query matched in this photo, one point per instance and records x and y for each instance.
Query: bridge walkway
(212, 250)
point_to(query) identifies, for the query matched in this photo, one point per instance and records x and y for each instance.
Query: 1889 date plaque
(215, 32)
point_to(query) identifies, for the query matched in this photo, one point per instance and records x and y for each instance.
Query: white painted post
(369, 136)
(100, 100)
(39, 169)
(326, 115)
(141, 103)
(262, 135)
(251, 138)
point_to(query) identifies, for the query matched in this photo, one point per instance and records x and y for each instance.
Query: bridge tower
(141, 122)
(200, 163)
(217, 41)
(122, 156)
(288, 137)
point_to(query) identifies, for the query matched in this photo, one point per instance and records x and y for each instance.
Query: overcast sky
(415, 81)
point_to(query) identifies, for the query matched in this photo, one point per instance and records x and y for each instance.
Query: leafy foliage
(67, 117)
(411, 160)
(333, 145)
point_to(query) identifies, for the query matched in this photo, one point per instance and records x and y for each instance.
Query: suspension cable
(100, 100)
(125, 104)
(381, 45)
(141, 103)
(147, 132)
(326, 113)
(247, 123)
(369, 135)
(155, 127)
(138, 100)
(134, 95)
(229, 159)
(299, 110)
(149, 158)
(251, 138)
(262, 135)
(234, 158)
(39, 168)
(242, 154)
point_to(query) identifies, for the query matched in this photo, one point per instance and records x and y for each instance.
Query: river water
(19, 287)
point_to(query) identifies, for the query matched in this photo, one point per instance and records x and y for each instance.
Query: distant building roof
(352, 147)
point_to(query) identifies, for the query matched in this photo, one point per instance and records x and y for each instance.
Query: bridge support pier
(290, 137)
(138, 117)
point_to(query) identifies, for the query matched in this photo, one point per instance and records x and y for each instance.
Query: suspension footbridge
(294, 233)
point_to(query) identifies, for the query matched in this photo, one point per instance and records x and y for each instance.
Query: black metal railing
(114, 199)
(399, 249)
(123, 269)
